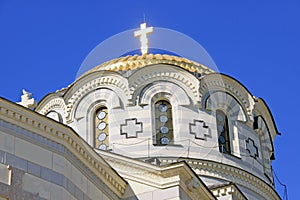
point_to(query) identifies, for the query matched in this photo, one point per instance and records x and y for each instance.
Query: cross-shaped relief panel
(131, 128)
(199, 129)
(251, 148)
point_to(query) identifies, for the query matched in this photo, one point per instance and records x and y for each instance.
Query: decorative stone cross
(199, 129)
(131, 128)
(142, 33)
(251, 148)
(26, 100)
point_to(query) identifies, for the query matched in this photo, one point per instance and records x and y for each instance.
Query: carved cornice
(58, 133)
(52, 104)
(229, 173)
(228, 190)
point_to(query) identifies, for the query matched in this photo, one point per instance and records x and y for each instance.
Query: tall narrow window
(101, 139)
(223, 132)
(163, 123)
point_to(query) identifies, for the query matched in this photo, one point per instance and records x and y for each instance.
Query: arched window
(101, 137)
(163, 123)
(223, 132)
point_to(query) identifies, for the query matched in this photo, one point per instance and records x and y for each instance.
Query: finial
(26, 100)
(26, 93)
(142, 33)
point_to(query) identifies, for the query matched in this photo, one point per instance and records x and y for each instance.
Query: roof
(138, 61)
(161, 177)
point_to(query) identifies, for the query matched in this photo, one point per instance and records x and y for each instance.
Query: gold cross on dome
(142, 33)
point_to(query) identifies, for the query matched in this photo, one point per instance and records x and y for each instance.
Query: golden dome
(138, 61)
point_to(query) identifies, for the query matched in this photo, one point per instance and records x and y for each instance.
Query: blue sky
(43, 43)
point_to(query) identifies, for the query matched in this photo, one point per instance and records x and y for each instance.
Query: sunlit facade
(140, 127)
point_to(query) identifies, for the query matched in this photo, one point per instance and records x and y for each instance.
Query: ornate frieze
(229, 173)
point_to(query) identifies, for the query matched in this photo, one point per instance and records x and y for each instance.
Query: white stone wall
(45, 172)
(143, 191)
(187, 112)
(130, 98)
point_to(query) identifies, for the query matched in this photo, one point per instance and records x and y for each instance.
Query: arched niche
(267, 147)
(226, 102)
(155, 90)
(92, 82)
(55, 116)
(221, 82)
(55, 103)
(106, 95)
(262, 109)
(164, 73)
(84, 113)
(221, 101)
(170, 92)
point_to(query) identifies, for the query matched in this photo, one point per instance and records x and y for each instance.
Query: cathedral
(144, 126)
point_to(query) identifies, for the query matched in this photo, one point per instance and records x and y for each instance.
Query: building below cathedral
(150, 126)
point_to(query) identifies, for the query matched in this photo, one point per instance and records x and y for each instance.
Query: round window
(220, 128)
(164, 129)
(164, 140)
(162, 108)
(222, 139)
(102, 137)
(102, 115)
(163, 118)
(101, 126)
(102, 146)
